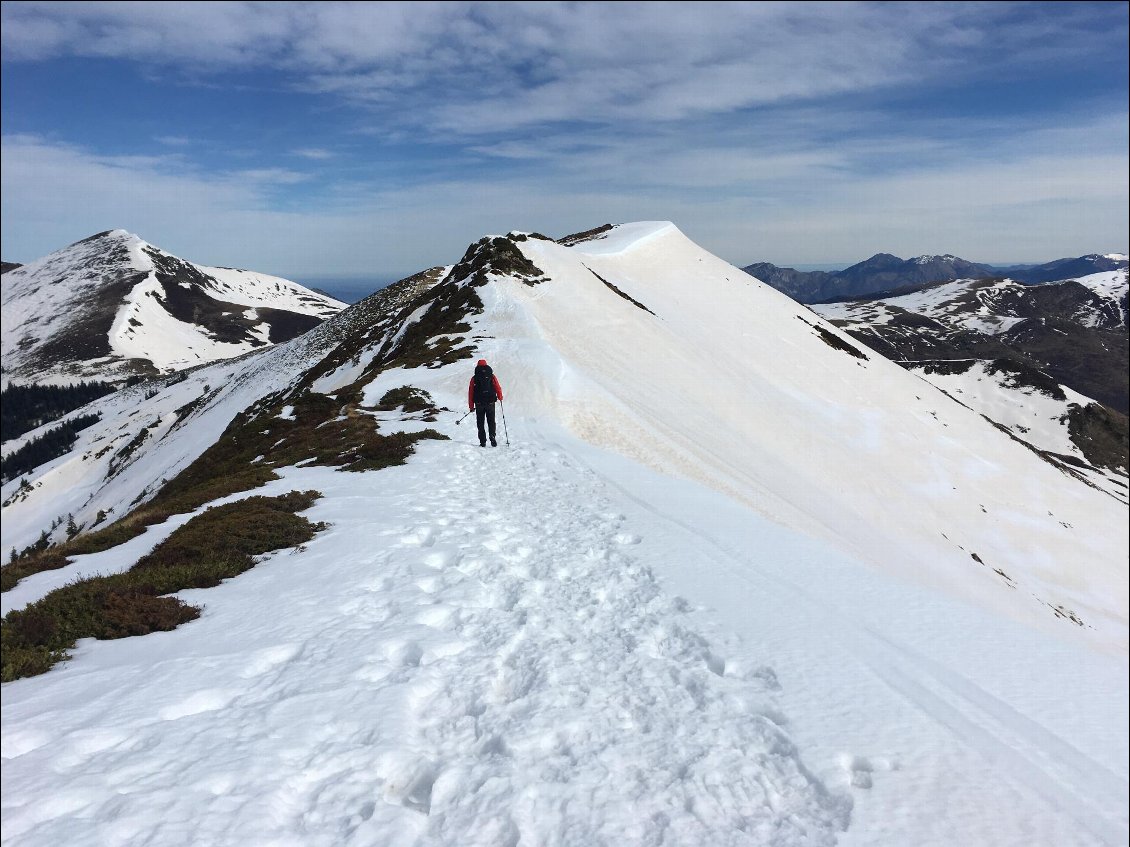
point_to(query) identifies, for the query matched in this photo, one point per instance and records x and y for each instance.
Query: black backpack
(484, 385)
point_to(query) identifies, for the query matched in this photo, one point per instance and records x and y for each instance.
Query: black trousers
(484, 412)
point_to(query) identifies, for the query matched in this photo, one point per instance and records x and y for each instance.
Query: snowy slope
(1040, 413)
(1112, 287)
(720, 590)
(991, 306)
(150, 432)
(1035, 359)
(112, 305)
(749, 398)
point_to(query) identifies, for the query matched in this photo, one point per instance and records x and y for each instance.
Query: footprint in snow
(208, 700)
(407, 654)
(438, 616)
(268, 659)
(859, 769)
(440, 559)
(423, 536)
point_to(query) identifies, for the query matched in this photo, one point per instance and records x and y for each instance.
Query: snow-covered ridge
(729, 579)
(113, 305)
(615, 330)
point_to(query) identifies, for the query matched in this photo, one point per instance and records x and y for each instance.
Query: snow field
(549, 644)
(1032, 415)
(970, 729)
(466, 658)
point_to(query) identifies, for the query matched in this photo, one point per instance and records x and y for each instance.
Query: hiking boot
(493, 443)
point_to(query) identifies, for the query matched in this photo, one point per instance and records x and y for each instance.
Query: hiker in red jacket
(482, 393)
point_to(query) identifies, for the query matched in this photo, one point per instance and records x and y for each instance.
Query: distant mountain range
(884, 273)
(112, 306)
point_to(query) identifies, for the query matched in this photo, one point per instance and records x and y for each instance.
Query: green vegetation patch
(498, 254)
(216, 545)
(409, 400)
(34, 559)
(436, 338)
(368, 327)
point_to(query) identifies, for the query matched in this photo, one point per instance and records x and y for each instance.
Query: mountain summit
(738, 580)
(882, 272)
(113, 306)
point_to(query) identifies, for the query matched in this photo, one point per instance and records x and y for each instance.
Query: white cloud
(1037, 206)
(270, 176)
(315, 153)
(496, 67)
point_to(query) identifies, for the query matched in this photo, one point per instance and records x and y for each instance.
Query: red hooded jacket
(471, 388)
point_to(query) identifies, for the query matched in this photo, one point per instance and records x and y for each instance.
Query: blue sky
(373, 140)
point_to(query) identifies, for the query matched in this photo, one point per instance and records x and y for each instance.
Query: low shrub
(215, 545)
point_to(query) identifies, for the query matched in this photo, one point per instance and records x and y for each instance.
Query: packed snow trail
(475, 657)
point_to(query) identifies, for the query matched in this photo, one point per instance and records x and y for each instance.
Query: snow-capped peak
(114, 305)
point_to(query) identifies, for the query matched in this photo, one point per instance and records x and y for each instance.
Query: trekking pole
(504, 429)
(461, 419)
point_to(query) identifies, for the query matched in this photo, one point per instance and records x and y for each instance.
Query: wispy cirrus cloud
(495, 67)
(317, 154)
